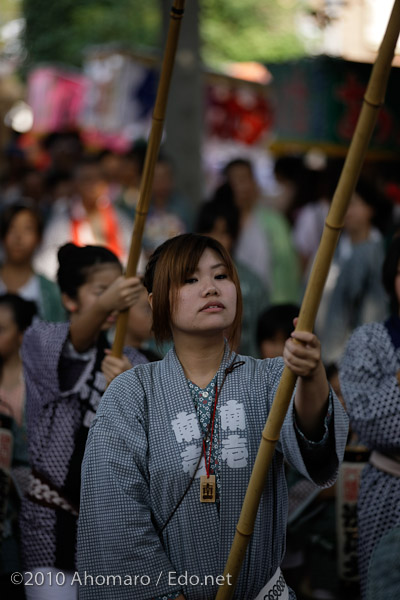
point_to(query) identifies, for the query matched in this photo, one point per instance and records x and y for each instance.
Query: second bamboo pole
(153, 147)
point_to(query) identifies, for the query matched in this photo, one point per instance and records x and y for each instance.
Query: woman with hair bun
(62, 363)
(170, 452)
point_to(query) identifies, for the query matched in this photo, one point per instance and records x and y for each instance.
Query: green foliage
(254, 30)
(126, 22)
(9, 10)
(47, 30)
(231, 30)
(60, 31)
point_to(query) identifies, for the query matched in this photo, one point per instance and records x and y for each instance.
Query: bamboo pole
(373, 99)
(176, 15)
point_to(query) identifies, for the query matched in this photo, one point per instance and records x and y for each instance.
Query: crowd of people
(115, 471)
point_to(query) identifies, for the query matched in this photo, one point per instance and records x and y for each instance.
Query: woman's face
(90, 186)
(22, 237)
(206, 302)
(273, 347)
(244, 186)
(88, 293)
(10, 336)
(359, 215)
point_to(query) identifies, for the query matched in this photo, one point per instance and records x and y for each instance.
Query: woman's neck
(132, 340)
(159, 202)
(362, 235)
(200, 358)
(15, 276)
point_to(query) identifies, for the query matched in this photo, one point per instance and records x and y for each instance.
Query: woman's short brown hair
(168, 268)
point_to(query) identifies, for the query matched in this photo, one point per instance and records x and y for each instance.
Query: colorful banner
(56, 97)
(239, 113)
(112, 102)
(317, 102)
(119, 100)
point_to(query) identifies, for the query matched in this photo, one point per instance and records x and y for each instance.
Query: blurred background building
(238, 74)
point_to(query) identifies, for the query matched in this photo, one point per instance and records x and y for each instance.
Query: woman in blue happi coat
(170, 452)
(370, 382)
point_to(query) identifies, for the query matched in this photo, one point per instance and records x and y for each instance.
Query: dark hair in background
(308, 184)
(22, 310)
(56, 176)
(72, 138)
(77, 263)
(276, 319)
(389, 273)
(137, 154)
(331, 369)
(87, 161)
(381, 205)
(289, 167)
(9, 214)
(221, 206)
(169, 266)
(164, 159)
(237, 162)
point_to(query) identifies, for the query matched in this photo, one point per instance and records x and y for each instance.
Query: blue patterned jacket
(141, 451)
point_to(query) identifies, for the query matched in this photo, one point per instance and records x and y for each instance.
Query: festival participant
(16, 315)
(169, 455)
(21, 229)
(64, 383)
(353, 293)
(264, 243)
(86, 217)
(370, 383)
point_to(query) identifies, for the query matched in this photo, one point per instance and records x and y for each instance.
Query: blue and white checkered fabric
(141, 452)
(372, 394)
(54, 417)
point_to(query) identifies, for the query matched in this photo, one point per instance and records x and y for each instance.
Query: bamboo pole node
(242, 533)
(333, 227)
(176, 13)
(373, 104)
(268, 439)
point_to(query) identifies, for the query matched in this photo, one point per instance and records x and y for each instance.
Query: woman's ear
(150, 299)
(69, 303)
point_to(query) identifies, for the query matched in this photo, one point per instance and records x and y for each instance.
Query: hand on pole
(113, 366)
(302, 353)
(122, 294)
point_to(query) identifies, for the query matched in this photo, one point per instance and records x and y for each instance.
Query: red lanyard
(211, 437)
